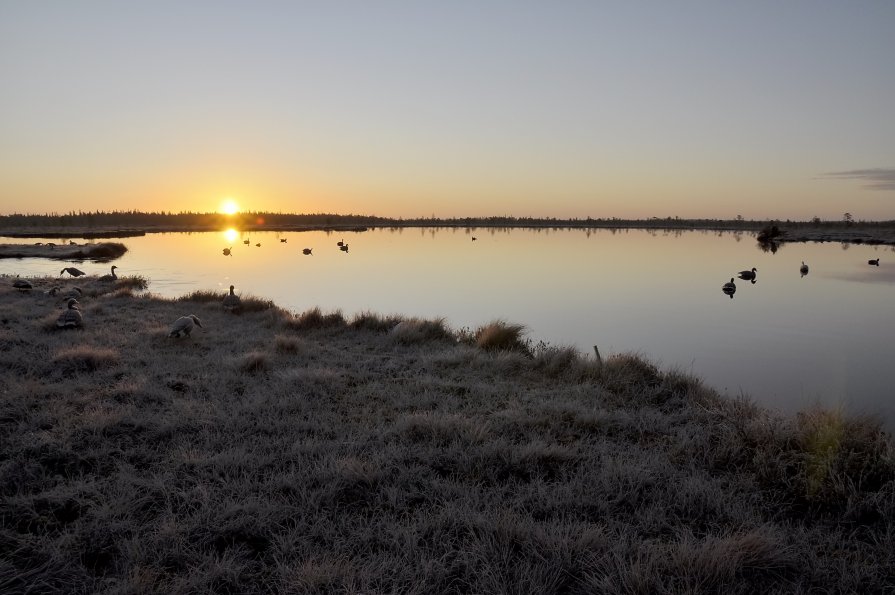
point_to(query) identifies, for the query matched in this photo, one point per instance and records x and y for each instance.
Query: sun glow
(230, 235)
(229, 207)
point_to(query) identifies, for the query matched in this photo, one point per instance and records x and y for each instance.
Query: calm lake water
(788, 341)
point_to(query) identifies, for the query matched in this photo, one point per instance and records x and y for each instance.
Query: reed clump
(278, 453)
(501, 335)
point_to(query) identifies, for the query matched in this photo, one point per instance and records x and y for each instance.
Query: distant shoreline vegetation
(133, 223)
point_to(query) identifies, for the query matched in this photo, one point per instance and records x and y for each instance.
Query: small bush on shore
(417, 330)
(315, 319)
(83, 358)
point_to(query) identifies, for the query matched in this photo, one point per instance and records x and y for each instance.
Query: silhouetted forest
(162, 220)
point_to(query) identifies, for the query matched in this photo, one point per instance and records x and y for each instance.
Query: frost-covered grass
(280, 452)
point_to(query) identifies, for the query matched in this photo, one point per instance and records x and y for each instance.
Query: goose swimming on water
(803, 269)
(307, 251)
(748, 275)
(874, 262)
(729, 288)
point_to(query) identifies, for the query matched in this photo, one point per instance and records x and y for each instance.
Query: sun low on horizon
(228, 207)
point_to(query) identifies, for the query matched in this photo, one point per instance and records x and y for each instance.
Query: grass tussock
(417, 330)
(132, 462)
(315, 319)
(371, 321)
(254, 362)
(500, 335)
(83, 358)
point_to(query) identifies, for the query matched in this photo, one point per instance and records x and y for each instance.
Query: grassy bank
(296, 453)
(102, 252)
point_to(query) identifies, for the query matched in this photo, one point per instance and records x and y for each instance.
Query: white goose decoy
(183, 326)
(110, 277)
(73, 272)
(803, 269)
(71, 317)
(231, 301)
(748, 275)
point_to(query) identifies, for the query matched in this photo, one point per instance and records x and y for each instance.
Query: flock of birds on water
(730, 287)
(343, 246)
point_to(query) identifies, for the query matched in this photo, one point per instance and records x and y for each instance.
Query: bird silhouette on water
(307, 251)
(227, 251)
(748, 275)
(344, 247)
(729, 288)
(874, 262)
(803, 269)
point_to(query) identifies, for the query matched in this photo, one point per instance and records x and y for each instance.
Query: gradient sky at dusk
(766, 109)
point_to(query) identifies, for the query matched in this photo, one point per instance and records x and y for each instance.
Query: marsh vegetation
(273, 451)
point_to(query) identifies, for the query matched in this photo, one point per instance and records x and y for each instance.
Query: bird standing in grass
(183, 326)
(22, 285)
(748, 275)
(71, 317)
(73, 272)
(231, 301)
(803, 269)
(110, 277)
(874, 262)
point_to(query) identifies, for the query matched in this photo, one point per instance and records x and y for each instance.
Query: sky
(696, 109)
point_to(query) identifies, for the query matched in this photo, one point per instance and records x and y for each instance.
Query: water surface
(788, 341)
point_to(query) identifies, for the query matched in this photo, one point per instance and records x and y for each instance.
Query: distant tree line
(202, 221)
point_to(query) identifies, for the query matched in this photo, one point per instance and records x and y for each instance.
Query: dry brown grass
(280, 453)
(501, 335)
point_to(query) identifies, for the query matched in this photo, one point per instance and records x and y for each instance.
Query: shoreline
(855, 233)
(283, 451)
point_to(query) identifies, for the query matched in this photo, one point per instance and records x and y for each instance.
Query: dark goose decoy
(344, 247)
(73, 272)
(246, 241)
(231, 301)
(110, 277)
(874, 262)
(227, 251)
(340, 243)
(729, 288)
(748, 275)
(283, 240)
(183, 326)
(71, 316)
(307, 251)
(803, 269)
(258, 245)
